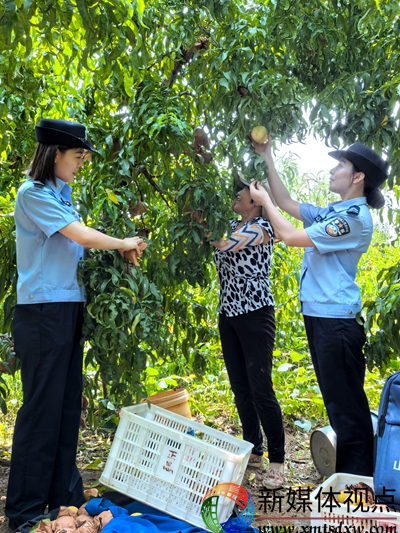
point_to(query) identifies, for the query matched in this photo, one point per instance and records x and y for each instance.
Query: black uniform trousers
(247, 343)
(47, 339)
(336, 347)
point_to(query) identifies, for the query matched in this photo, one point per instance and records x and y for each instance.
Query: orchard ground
(300, 474)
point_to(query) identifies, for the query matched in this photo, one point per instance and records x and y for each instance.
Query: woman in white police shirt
(48, 323)
(334, 239)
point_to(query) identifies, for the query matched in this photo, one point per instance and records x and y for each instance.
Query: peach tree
(169, 91)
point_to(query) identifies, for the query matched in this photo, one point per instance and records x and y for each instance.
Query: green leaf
(84, 13)
(296, 357)
(151, 371)
(140, 7)
(224, 83)
(9, 10)
(135, 323)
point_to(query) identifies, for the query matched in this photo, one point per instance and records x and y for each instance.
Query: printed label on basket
(170, 459)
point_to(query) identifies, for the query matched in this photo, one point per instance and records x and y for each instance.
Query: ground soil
(301, 476)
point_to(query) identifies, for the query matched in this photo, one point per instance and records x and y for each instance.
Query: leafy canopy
(143, 76)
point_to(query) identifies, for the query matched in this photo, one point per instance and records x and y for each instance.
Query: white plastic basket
(324, 509)
(170, 462)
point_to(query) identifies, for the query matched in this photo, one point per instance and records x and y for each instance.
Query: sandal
(256, 461)
(273, 479)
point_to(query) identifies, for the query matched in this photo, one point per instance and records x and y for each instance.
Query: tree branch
(202, 44)
(150, 178)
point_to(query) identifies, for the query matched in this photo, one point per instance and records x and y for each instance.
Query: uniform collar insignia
(353, 210)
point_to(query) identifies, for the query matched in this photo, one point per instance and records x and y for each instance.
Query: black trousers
(47, 339)
(336, 347)
(247, 344)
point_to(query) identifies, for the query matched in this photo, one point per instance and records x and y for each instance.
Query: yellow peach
(259, 134)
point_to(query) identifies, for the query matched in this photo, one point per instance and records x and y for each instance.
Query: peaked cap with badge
(63, 133)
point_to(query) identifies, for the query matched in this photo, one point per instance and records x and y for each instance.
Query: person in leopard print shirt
(247, 331)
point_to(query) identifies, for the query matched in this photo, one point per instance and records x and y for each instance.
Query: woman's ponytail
(375, 198)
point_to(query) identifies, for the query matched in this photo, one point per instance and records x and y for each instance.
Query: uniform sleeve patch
(353, 210)
(337, 227)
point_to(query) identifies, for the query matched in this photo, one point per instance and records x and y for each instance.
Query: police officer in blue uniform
(334, 238)
(47, 326)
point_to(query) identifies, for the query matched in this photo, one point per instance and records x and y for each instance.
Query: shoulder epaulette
(353, 210)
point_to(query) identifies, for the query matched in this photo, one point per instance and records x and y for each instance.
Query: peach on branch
(259, 134)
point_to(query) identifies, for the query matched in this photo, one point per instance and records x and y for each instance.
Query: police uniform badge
(337, 227)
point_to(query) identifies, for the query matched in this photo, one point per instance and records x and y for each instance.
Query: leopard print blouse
(244, 274)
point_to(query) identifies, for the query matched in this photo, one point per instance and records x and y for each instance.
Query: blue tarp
(150, 520)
